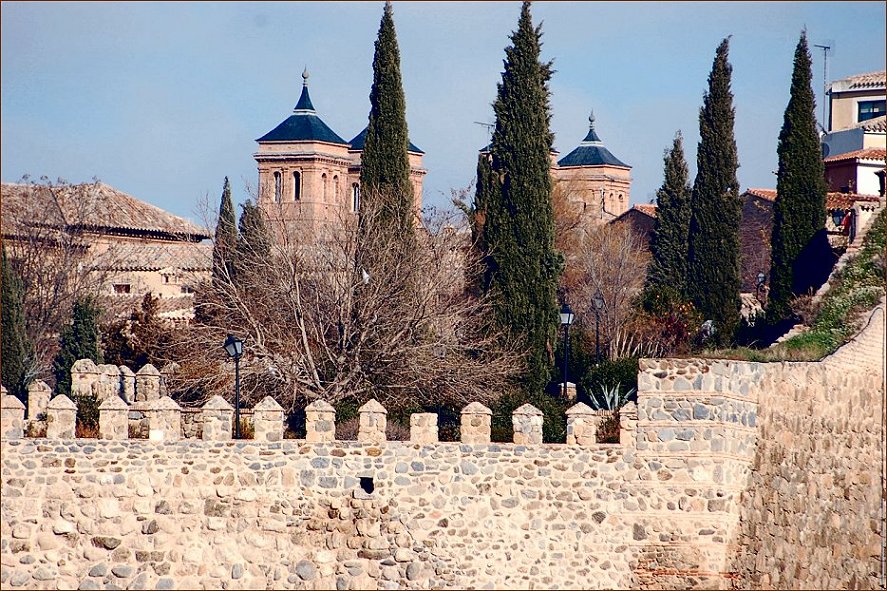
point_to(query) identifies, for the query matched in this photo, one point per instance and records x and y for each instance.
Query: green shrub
(87, 412)
(610, 374)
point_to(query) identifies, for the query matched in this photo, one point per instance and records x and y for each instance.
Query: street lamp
(234, 348)
(837, 217)
(566, 320)
(598, 301)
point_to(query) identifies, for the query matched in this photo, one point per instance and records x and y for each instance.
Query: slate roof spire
(591, 151)
(304, 105)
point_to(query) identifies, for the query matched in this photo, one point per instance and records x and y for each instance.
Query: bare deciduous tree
(340, 318)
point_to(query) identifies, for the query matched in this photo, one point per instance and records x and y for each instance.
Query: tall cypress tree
(713, 257)
(799, 212)
(385, 165)
(226, 235)
(254, 242)
(78, 340)
(17, 349)
(522, 264)
(668, 268)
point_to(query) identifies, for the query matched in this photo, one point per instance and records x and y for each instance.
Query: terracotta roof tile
(646, 209)
(867, 80)
(98, 207)
(864, 154)
(766, 194)
(878, 124)
(846, 200)
(129, 256)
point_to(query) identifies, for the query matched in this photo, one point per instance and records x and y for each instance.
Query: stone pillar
(39, 394)
(423, 427)
(127, 385)
(628, 424)
(373, 421)
(320, 421)
(164, 420)
(107, 383)
(267, 420)
(217, 417)
(84, 374)
(12, 417)
(147, 384)
(476, 419)
(582, 424)
(527, 423)
(61, 418)
(114, 419)
(570, 394)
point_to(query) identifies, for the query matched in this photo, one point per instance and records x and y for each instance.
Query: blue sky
(164, 100)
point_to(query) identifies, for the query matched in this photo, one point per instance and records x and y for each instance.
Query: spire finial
(305, 76)
(591, 119)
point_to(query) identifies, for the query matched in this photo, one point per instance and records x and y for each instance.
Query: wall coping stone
(84, 366)
(476, 408)
(11, 402)
(373, 406)
(580, 408)
(38, 386)
(527, 410)
(217, 403)
(148, 370)
(320, 405)
(268, 404)
(165, 403)
(113, 403)
(61, 402)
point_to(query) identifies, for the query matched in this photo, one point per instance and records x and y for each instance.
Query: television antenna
(490, 127)
(825, 46)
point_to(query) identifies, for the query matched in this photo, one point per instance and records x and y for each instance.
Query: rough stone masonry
(728, 475)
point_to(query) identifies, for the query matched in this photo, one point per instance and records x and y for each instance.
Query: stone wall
(728, 474)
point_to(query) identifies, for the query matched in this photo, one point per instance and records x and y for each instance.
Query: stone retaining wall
(728, 474)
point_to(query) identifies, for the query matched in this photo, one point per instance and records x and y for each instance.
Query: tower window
(278, 186)
(297, 186)
(323, 181)
(336, 188)
(355, 197)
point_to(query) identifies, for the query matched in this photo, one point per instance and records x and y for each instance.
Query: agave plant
(610, 398)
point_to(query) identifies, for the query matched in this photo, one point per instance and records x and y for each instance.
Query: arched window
(278, 186)
(336, 188)
(355, 197)
(297, 186)
(323, 182)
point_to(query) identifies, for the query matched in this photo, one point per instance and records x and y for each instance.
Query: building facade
(309, 176)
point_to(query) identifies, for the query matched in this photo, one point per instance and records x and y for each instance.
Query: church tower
(595, 181)
(305, 181)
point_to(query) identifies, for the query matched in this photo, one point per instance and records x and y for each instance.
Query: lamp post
(598, 301)
(566, 320)
(759, 286)
(837, 217)
(234, 348)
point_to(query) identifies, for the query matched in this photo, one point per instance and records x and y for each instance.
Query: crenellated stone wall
(727, 475)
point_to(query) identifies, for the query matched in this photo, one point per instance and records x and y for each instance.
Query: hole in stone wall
(366, 483)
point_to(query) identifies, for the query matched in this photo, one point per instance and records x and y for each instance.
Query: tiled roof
(129, 256)
(591, 152)
(94, 206)
(361, 138)
(303, 125)
(766, 194)
(878, 124)
(864, 154)
(846, 200)
(171, 307)
(646, 208)
(867, 80)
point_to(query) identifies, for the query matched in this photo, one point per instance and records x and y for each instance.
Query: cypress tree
(668, 269)
(385, 165)
(18, 351)
(799, 212)
(713, 257)
(226, 235)
(518, 231)
(254, 241)
(78, 340)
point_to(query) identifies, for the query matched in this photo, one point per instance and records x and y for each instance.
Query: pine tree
(385, 165)
(518, 231)
(713, 256)
(78, 340)
(226, 235)
(799, 212)
(668, 269)
(17, 349)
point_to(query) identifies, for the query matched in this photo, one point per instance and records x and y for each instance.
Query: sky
(163, 100)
